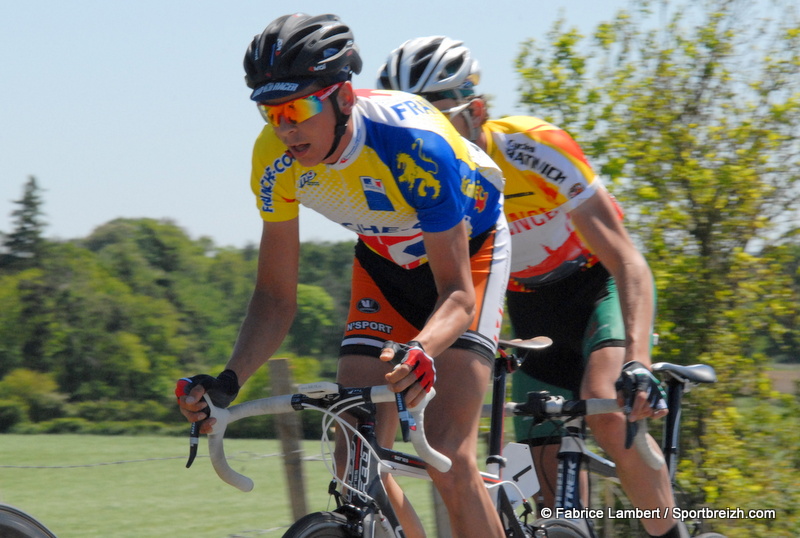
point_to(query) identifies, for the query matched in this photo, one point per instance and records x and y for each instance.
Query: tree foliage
(123, 313)
(690, 112)
(24, 244)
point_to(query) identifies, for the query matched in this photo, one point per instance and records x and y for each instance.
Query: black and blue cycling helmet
(297, 50)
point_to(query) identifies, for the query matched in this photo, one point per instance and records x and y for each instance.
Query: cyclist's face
(309, 140)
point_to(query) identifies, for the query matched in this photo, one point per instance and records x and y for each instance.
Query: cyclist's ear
(346, 97)
(478, 111)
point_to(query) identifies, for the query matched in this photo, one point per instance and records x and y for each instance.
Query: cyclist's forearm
(451, 317)
(265, 326)
(635, 287)
(448, 256)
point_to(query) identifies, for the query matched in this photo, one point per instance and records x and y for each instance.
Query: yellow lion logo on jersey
(413, 172)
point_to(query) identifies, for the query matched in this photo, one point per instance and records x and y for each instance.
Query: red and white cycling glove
(414, 356)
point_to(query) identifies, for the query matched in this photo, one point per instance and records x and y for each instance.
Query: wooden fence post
(290, 432)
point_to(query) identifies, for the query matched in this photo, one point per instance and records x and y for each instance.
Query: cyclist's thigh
(389, 302)
(561, 311)
(391, 310)
(451, 419)
(548, 432)
(602, 371)
(606, 327)
(364, 371)
(604, 345)
(489, 264)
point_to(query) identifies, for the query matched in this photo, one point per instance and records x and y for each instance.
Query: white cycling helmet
(435, 67)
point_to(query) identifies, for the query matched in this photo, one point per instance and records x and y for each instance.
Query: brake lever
(407, 422)
(194, 430)
(627, 385)
(194, 440)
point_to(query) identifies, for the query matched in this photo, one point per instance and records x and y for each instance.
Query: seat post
(498, 406)
(669, 444)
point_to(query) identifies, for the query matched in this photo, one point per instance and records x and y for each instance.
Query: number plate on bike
(520, 471)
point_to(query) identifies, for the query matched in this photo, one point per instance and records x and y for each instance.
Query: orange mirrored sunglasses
(297, 110)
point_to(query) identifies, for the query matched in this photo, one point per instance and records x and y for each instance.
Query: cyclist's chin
(305, 155)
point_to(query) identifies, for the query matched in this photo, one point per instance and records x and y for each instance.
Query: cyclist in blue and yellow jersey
(576, 276)
(431, 261)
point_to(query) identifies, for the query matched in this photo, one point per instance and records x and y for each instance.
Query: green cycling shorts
(581, 314)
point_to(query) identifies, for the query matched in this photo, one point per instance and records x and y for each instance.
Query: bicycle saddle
(696, 373)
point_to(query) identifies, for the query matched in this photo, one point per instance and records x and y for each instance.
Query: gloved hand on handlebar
(414, 356)
(222, 389)
(636, 378)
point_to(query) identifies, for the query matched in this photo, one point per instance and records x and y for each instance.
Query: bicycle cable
(333, 415)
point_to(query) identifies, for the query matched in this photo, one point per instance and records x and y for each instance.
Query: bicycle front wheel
(320, 525)
(14, 523)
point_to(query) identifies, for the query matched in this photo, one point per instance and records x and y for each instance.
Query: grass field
(137, 487)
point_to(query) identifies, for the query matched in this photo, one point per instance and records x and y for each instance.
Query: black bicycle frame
(503, 364)
(572, 454)
(669, 443)
(364, 474)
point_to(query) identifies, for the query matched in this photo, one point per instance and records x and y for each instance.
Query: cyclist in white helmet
(576, 276)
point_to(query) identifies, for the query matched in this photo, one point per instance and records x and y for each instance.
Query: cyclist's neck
(344, 141)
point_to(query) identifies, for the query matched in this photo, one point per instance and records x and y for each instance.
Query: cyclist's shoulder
(403, 104)
(531, 128)
(511, 124)
(401, 124)
(513, 136)
(406, 115)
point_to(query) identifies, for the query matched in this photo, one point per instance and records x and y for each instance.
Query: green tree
(36, 392)
(25, 242)
(690, 112)
(329, 265)
(75, 320)
(208, 288)
(313, 331)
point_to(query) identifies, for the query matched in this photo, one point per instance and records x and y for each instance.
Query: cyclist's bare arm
(597, 221)
(269, 313)
(274, 302)
(448, 256)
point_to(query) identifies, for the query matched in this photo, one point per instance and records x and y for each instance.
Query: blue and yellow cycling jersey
(547, 175)
(405, 171)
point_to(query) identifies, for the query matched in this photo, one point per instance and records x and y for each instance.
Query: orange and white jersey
(405, 171)
(546, 176)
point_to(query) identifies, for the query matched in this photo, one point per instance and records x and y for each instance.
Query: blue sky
(139, 109)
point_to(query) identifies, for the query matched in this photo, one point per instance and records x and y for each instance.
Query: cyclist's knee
(609, 431)
(462, 471)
